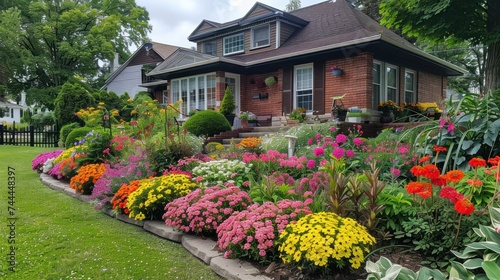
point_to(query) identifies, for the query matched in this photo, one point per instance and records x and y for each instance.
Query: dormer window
(260, 36)
(210, 47)
(234, 44)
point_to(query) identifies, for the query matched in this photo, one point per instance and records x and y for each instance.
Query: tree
(71, 98)
(293, 5)
(451, 21)
(45, 43)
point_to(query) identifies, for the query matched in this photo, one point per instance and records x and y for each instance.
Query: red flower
(451, 194)
(426, 190)
(431, 171)
(439, 148)
(494, 161)
(454, 175)
(414, 187)
(439, 181)
(477, 162)
(417, 170)
(464, 207)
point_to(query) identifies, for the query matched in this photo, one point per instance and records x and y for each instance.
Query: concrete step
(233, 140)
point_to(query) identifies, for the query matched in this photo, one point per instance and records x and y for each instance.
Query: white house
(10, 112)
(128, 77)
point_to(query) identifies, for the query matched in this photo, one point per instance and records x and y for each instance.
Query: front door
(233, 82)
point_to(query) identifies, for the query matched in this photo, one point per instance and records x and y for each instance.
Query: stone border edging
(203, 249)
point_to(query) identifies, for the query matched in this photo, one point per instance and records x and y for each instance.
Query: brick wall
(355, 82)
(252, 85)
(431, 88)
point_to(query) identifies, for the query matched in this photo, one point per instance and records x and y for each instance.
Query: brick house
(301, 49)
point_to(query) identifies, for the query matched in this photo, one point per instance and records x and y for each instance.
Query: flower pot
(244, 123)
(337, 72)
(230, 118)
(292, 122)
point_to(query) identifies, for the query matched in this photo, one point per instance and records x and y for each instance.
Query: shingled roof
(333, 27)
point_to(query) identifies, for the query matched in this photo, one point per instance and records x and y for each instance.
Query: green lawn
(59, 237)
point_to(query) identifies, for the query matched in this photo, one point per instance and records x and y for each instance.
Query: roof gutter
(423, 54)
(197, 64)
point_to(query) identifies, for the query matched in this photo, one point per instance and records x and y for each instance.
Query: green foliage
(228, 104)
(385, 269)
(207, 123)
(70, 100)
(75, 135)
(482, 258)
(53, 42)
(267, 190)
(66, 129)
(41, 119)
(469, 128)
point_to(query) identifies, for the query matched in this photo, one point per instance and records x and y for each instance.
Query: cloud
(173, 21)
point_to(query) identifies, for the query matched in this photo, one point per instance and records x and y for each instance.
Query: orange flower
(477, 162)
(439, 148)
(424, 159)
(464, 207)
(454, 175)
(474, 182)
(439, 181)
(417, 170)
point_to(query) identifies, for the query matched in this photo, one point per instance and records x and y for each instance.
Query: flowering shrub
(120, 199)
(213, 208)
(39, 160)
(251, 233)
(122, 172)
(324, 240)
(87, 175)
(251, 144)
(176, 211)
(221, 171)
(65, 154)
(149, 200)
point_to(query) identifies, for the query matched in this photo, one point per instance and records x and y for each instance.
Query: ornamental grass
(251, 233)
(149, 200)
(323, 241)
(86, 177)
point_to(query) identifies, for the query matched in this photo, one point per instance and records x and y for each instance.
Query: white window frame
(298, 86)
(384, 82)
(188, 104)
(227, 38)
(255, 44)
(414, 84)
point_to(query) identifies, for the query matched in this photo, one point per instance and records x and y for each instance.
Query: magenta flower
(358, 142)
(318, 151)
(338, 152)
(311, 163)
(349, 153)
(395, 172)
(341, 138)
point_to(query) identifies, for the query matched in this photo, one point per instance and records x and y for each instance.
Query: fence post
(1, 134)
(13, 134)
(32, 136)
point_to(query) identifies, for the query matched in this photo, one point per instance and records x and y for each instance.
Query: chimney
(116, 63)
(23, 99)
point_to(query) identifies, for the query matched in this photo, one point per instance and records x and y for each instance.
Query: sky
(174, 20)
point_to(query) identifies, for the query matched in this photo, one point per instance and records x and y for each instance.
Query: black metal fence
(40, 136)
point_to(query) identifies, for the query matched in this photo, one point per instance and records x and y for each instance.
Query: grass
(59, 237)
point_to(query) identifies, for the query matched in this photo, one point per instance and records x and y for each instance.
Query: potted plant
(228, 105)
(297, 116)
(358, 117)
(271, 80)
(336, 71)
(244, 115)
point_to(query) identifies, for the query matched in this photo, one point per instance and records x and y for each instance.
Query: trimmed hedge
(207, 123)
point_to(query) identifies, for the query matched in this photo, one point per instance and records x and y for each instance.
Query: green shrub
(227, 105)
(70, 100)
(75, 135)
(65, 131)
(41, 119)
(207, 123)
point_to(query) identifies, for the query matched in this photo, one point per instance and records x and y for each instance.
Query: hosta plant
(251, 233)
(385, 269)
(323, 241)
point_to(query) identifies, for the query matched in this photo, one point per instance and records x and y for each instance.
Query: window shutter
(287, 90)
(319, 87)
